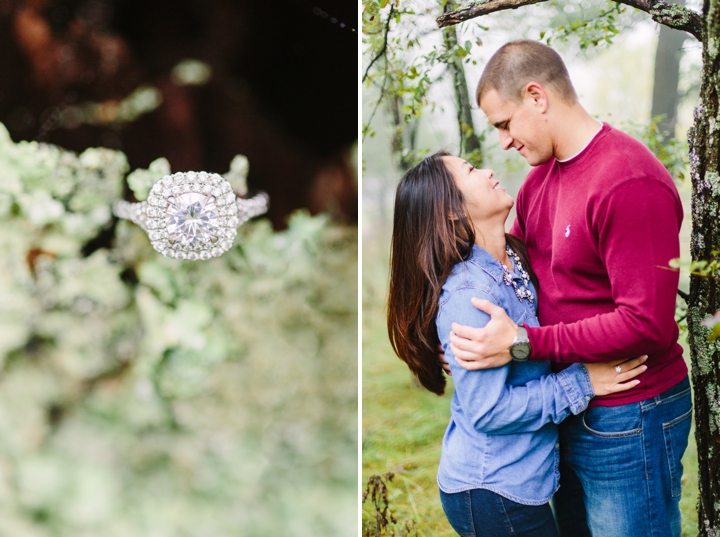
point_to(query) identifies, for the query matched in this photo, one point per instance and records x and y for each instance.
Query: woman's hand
(443, 362)
(607, 378)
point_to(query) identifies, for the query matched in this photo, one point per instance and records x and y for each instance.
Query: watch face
(520, 351)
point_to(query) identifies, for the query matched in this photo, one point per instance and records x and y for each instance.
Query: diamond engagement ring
(192, 215)
(618, 369)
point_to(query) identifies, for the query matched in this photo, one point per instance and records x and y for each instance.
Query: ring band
(618, 369)
(192, 215)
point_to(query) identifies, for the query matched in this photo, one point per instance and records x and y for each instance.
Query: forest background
(627, 70)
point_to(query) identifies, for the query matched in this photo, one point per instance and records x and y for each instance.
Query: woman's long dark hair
(431, 234)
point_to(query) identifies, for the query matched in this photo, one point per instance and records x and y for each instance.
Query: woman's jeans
(620, 468)
(481, 513)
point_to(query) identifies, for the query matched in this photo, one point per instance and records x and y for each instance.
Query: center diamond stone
(192, 218)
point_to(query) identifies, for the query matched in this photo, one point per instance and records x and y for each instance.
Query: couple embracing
(560, 336)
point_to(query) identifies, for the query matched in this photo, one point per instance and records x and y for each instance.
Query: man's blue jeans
(620, 466)
(482, 513)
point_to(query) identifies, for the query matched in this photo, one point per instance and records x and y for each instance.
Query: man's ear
(538, 95)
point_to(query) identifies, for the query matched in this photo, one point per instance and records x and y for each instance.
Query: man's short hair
(517, 63)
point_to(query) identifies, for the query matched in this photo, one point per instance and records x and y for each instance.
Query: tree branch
(477, 9)
(383, 49)
(673, 16)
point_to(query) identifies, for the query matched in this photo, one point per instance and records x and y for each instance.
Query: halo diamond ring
(618, 369)
(192, 215)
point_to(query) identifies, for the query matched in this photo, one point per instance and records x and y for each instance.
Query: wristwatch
(520, 349)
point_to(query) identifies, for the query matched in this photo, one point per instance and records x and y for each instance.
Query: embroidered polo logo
(567, 231)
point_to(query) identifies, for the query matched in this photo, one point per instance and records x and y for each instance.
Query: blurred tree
(407, 56)
(454, 53)
(666, 78)
(704, 298)
(402, 82)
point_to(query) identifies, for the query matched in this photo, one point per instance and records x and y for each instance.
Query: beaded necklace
(522, 291)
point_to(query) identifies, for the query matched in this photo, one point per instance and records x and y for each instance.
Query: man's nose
(506, 141)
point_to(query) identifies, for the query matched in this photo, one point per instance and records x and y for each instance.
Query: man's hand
(487, 347)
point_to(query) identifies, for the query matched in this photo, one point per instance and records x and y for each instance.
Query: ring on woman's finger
(618, 369)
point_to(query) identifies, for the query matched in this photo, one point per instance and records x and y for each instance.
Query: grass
(403, 424)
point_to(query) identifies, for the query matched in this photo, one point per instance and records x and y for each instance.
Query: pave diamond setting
(192, 215)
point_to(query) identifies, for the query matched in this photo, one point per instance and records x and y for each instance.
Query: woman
(498, 468)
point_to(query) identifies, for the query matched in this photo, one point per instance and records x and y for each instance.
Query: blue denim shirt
(502, 434)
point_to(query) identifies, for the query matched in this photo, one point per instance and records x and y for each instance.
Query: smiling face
(521, 125)
(485, 200)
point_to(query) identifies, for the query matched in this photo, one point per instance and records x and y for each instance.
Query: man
(600, 216)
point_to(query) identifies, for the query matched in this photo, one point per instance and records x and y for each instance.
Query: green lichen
(140, 392)
(674, 16)
(711, 391)
(713, 180)
(703, 349)
(237, 175)
(675, 12)
(712, 47)
(475, 4)
(141, 180)
(191, 72)
(142, 101)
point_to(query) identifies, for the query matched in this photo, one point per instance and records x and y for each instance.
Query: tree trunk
(704, 140)
(404, 152)
(667, 75)
(469, 141)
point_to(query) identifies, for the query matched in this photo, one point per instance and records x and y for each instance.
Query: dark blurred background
(196, 82)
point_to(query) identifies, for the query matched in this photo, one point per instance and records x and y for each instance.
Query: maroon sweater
(600, 230)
